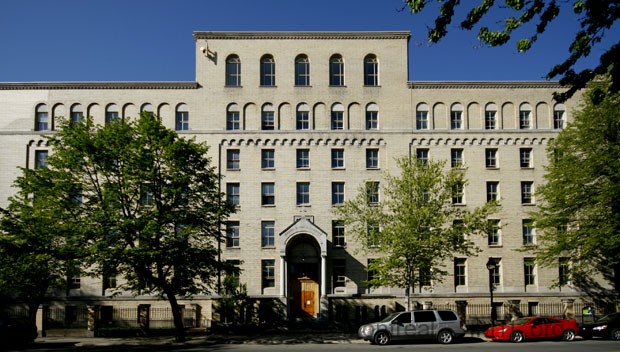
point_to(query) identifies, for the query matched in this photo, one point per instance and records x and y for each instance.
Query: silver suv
(443, 325)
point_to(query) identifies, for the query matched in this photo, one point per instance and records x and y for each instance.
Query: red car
(534, 328)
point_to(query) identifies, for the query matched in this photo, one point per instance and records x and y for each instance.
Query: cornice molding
(97, 85)
(491, 141)
(230, 142)
(302, 35)
(483, 85)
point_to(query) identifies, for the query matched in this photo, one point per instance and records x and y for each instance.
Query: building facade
(296, 122)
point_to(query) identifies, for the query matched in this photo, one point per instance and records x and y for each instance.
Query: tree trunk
(32, 319)
(179, 329)
(407, 300)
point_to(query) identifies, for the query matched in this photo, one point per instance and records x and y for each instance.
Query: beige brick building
(296, 121)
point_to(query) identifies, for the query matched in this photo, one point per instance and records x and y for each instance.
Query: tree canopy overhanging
(596, 17)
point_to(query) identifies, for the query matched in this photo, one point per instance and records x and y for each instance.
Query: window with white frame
(490, 117)
(233, 71)
(421, 155)
(40, 158)
(372, 116)
(529, 269)
(564, 271)
(492, 191)
(268, 159)
(337, 158)
(303, 117)
(527, 227)
(372, 158)
(233, 121)
(456, 116)
(338, 238)
(268, 193)
(268, 117)
(494, 235)
(525, 157)
(41, 118)
(267, 71)
(303, 193)
(111, 113)
(371, 70)
(338, 273)
(182, 118)
(490, 156)
(527, 192)
(559, 116)
(302, 71)
(148, 109)
(232, 159)
(267, 233)
(496, 278)
(525, 116)
(456, 158)
(337, 117)
(303, 158)
(337, 193)
(460, 272)
(372, 192)
(336, 71)
(77, 113)
(232, 193)
(232, 234)
(268, 273)
(421, 117)
(458, 193)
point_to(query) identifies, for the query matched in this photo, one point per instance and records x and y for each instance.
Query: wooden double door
(305, 292)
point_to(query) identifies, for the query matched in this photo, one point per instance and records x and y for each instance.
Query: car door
(535, 329)
(555, 327)
(425, 324)
(401, 327)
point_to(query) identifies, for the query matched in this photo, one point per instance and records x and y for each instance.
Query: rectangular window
(489, 120)
(42, 121)
(268, 273)
(232, 121)
(77, 116)
(525, 157)
(422, 155)
(337, 120)
(338, 273)
(458, 191)
(524, 120)
(456, 120)
(337, 193)
(494, 233)
(496, 277)
(373, 233)
(232, 193)
(532, 309)
(528, 231)
(529, 269)
(232, 159)
(75, 283)
(108, 279)
(456, 158)
(564, 271)
(267, 158)
(527, 193)
(492, 191)
(111, 116)
(40, 158)
(146, 196)
(303, 158)
(338, 238)
(302, 72)
(490, 158)
(372, 192)
(182, 121)
(303, 120)
(372, 158)
(421, 120)
(303, 193)
(372, 122)
(232, 234)
(267, 233)
(425, 277)
(460, 272)
(267, 121)
(558, 119)
(337, 158)
(267, 194)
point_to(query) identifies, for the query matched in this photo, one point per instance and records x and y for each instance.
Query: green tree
(150, 209)
(416, 226)
(595, 18)
(579, 207)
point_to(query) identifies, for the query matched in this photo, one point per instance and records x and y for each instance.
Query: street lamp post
(491, 265)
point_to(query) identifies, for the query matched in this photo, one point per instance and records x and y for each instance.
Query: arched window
(303, 117)
(490, 116)
(41, 118)
(336, 71)
(267, 117)
(233, 71)
(111, 113)
(232, 117)
(456, 116)
(182, 118)
(302, 71)
(147, 108)
(421, 117)
(525, 112)
(337, 117)
(372, 116)
(371, 70)
(77, 113)
(559, 116)
(267, 71)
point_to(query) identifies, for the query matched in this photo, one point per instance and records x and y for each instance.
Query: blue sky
(139, 40)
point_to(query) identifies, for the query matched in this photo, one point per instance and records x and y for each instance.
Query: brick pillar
(43, 313)
(513, 310)
(461, 310)
(93, 320)
(568, 309)
(144, 316)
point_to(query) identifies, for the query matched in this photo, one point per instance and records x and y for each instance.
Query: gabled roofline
(97, 85)
(483, 84)
(302, 35)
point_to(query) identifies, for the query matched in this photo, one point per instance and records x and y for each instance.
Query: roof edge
(303, 35)
(482, 84)
(96, 85)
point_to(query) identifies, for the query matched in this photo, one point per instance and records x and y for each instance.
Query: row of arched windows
(302, 71)
(302, 117)
(490, 116)
(112, 113)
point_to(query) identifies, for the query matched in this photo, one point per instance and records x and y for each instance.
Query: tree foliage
(595, 18)
(416, 227)
(579, 211)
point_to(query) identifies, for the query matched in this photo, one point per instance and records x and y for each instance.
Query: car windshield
(608, 317)
(389, 317)
(519, 321)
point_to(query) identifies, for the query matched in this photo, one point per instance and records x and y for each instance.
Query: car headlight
(367, 330)
(600, 327)
(503, 330)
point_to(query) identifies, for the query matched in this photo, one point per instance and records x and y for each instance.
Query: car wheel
(445, 337)
(615, 334)
(382, 338)
(568, 335)
(516, 336)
